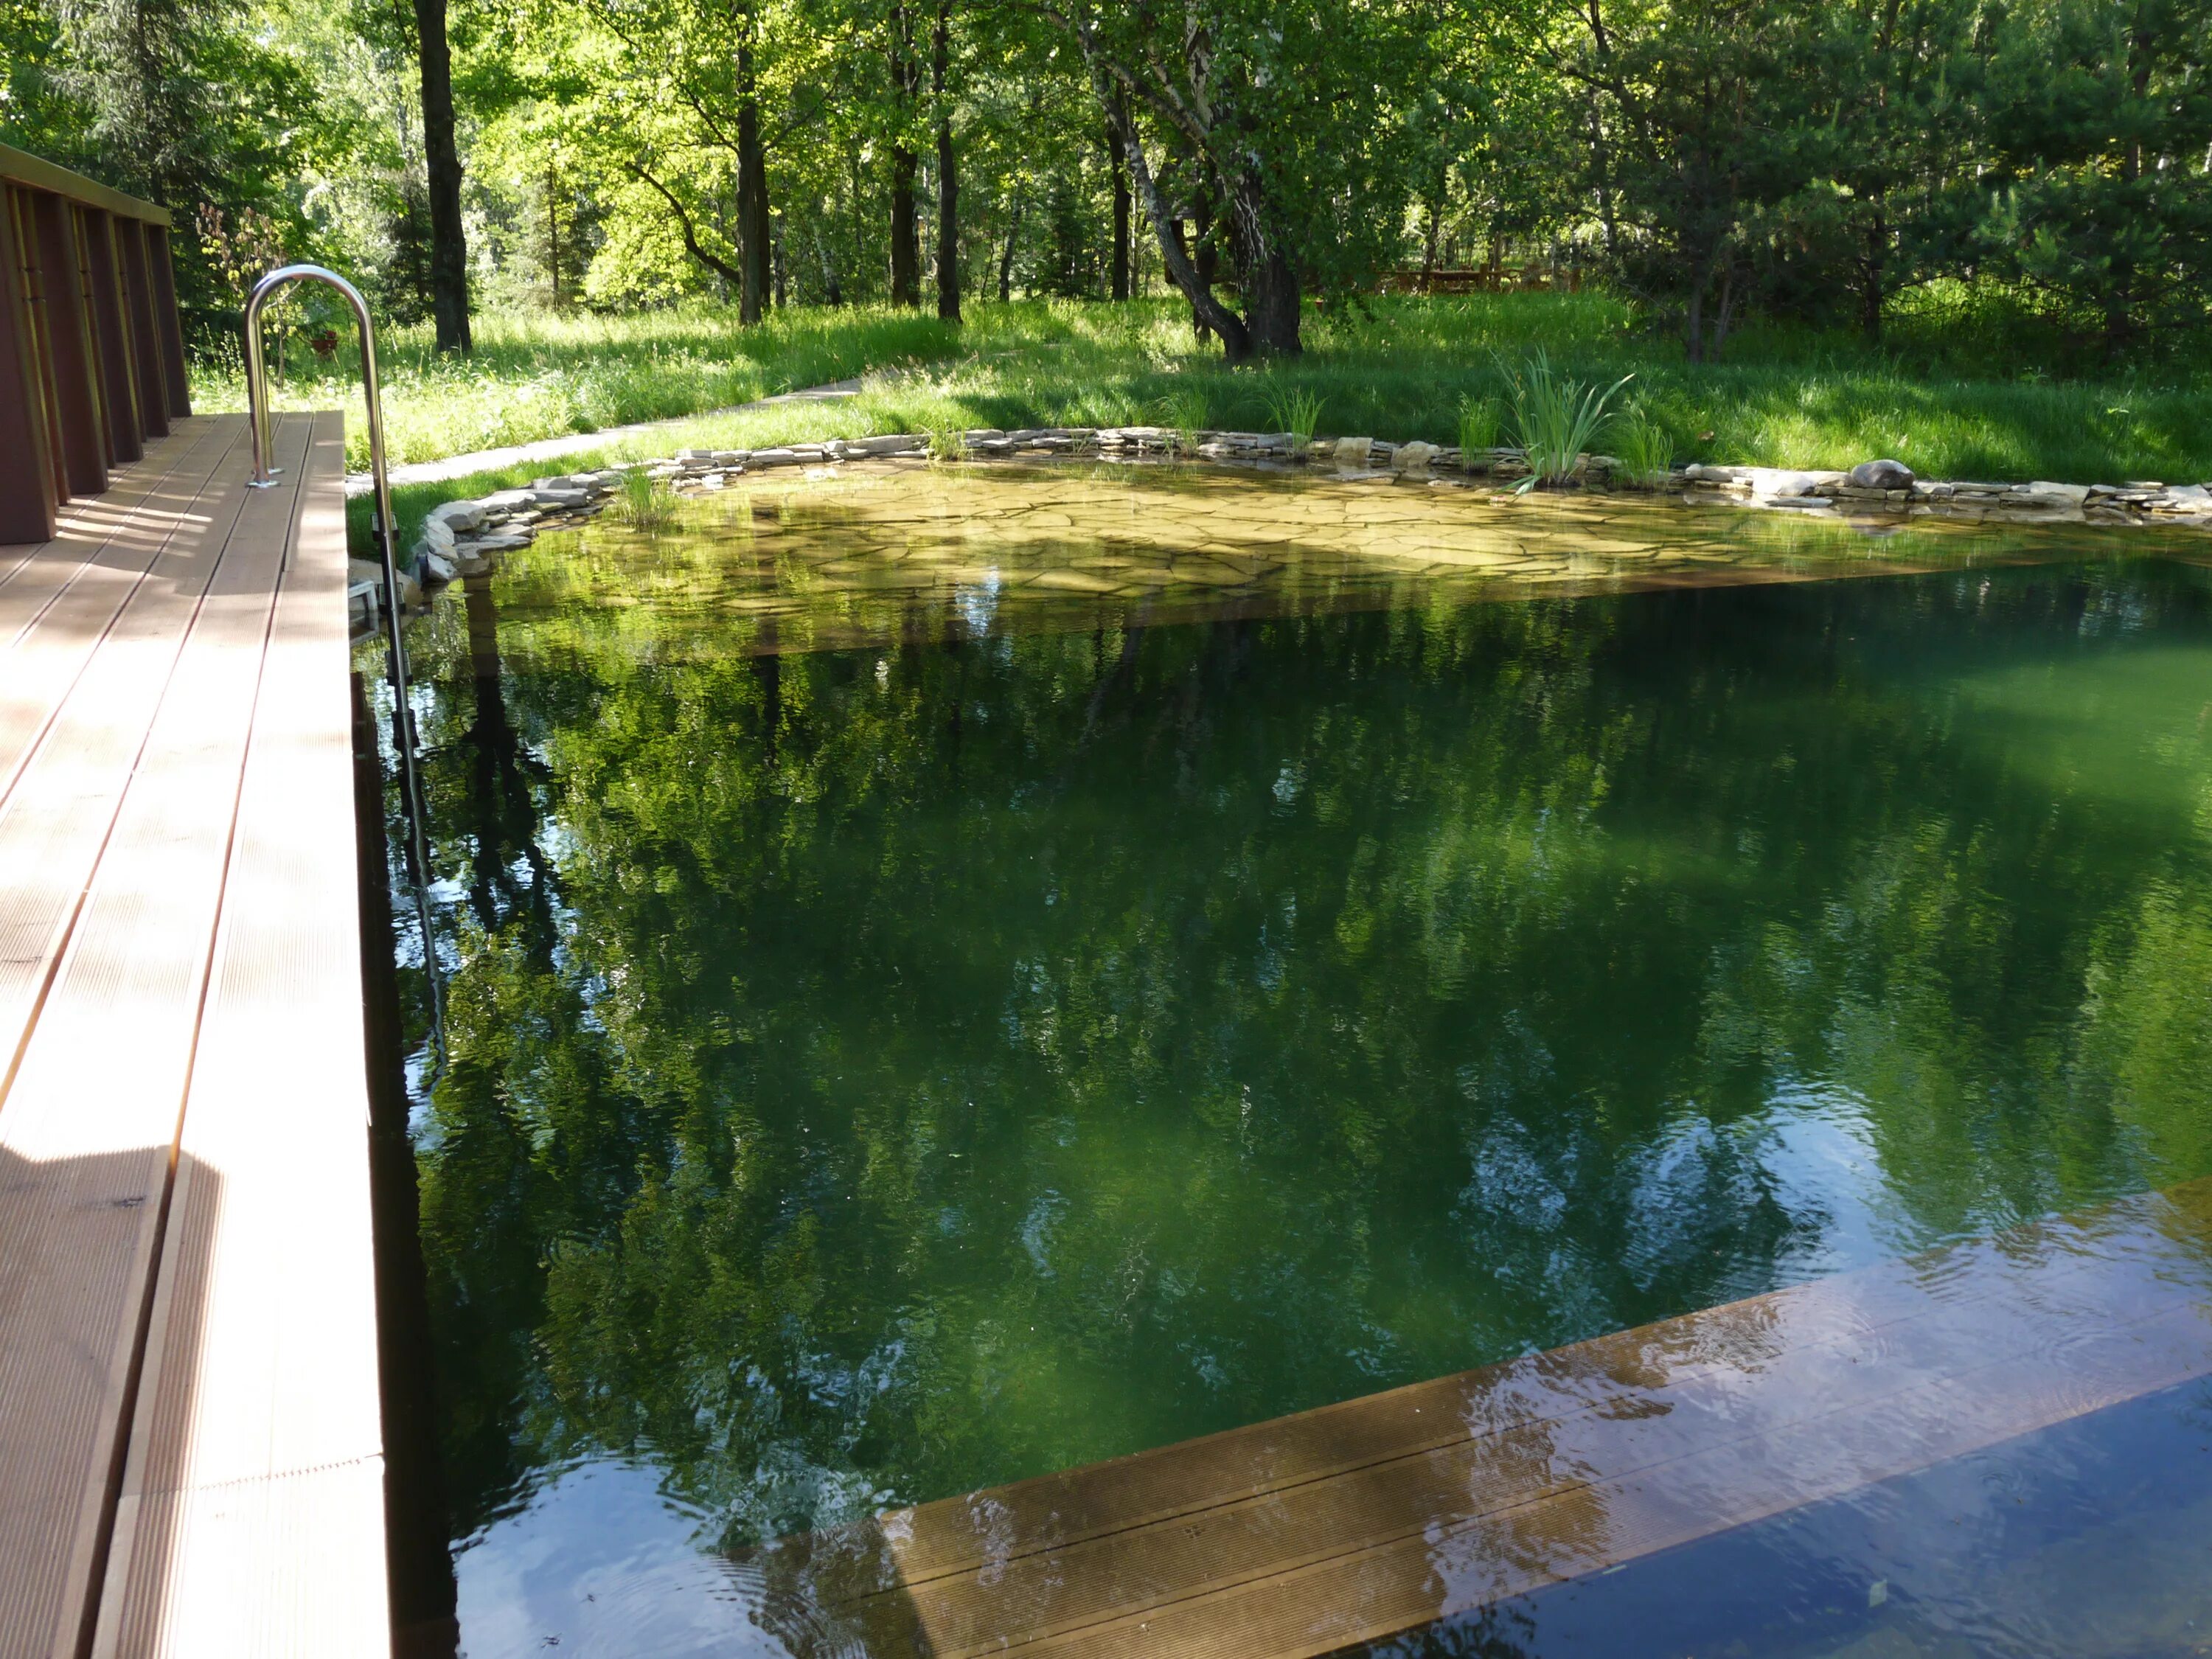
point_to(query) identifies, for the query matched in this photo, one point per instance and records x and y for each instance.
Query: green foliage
(1557, 421)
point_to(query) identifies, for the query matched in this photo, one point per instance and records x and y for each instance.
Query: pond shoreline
(460, 537)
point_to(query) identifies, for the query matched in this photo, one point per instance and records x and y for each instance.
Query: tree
(948, 170)
(449, 250)
(2099, 116)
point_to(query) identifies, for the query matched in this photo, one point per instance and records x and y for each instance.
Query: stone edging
(461, 537)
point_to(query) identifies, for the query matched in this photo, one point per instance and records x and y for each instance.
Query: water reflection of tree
(937, 1066)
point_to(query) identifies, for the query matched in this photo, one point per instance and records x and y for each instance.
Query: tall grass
(1296, 412)
(1184, 412)
(544, 376)
(1478, 425)
(1643, 447)
(645, 503)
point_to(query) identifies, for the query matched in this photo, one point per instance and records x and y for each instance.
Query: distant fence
(92, 350)
(1484, 279)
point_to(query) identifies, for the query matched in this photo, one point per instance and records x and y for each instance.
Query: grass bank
(1954, 392)
(543, 376)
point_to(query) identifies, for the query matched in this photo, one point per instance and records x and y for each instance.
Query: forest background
(633, 208)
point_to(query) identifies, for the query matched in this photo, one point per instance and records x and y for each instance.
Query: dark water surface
(877, 1072)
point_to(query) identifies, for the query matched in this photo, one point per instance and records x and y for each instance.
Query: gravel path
(552, 449)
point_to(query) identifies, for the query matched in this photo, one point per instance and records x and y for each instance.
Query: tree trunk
(948, 174)
(1873, 279)
(553, 232)
(449, 250)
(1120, 285)
(1235, 339)
(906, 231)
(906, 239)
(1270, 280)
(752, 197)
(1006, 255)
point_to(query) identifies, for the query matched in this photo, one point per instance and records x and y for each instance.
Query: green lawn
(1956, 391)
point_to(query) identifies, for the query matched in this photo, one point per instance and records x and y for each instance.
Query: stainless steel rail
(265, 477)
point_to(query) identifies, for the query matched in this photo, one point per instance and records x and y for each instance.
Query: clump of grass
(1184, 412)
(1296, 412)
(1555, 419)
(1477, 427)
(1644, 448)
(946, 443)
(646, 503)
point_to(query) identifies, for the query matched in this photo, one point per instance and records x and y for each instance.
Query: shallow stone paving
(833, 557)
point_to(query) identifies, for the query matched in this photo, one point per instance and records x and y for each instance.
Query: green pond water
(912, 1031)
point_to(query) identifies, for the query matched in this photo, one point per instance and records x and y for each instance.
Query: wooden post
(77, 433)
(126, 439)
(29, 500)
(145, 332)
(169, 322)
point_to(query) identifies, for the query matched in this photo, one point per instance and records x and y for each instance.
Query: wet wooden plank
(251, 1518)
(89, 1123)
(1358, 1520)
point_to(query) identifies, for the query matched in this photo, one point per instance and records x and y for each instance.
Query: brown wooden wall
(92, 349)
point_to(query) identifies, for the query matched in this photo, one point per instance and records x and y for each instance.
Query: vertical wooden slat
(39, 347)
(81, 230)
(111, 335)
(68, 343)
(145, 333)
(27, 499)
(170, 321)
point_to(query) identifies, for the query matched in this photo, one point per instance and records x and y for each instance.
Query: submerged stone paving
(836, 555)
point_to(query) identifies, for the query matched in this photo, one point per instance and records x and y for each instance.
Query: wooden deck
(1357, 1521)
(191, 1457)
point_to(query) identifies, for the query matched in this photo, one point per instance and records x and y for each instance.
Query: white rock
(437, 535)
(1770, 483)
(1413, 457)
(1353, 452)
(458, 516)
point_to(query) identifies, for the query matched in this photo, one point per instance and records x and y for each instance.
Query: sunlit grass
(1392, 369)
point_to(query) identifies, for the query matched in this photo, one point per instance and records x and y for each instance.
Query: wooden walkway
(191, 1457)
(1357, 1522)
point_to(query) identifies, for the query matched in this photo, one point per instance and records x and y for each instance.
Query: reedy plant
(646, 503)
(1184, 412)
(1644, 448)
(1555, 419)
(1477, 427)
(1296, 412)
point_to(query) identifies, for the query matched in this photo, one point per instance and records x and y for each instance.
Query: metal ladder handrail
(265, 477)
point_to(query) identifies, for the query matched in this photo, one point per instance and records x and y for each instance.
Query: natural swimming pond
(956, 974)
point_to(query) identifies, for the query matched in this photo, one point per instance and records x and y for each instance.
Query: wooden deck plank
(63, 806)
(256, 1456)
(59, 602)
(89, 1124)
(83, 525)
(1365, 1519)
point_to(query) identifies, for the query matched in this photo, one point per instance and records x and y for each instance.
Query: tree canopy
(1713, 157)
